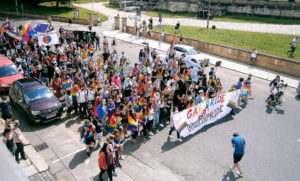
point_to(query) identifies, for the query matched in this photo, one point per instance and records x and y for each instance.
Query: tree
(57, 4)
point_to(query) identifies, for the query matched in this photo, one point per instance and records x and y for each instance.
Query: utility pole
(17, 7)
(208, 14)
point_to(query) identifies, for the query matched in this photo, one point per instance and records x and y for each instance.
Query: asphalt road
(272, 138)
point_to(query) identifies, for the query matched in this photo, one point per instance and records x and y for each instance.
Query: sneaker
(150, 133)
(161, 125)
(239, 107)
(231, 168)
(119, 165)
(239, 174)
(252, 97)
(114, 174)
(122, 157)
(180, 140)
(170, 136)
(167, 122)
(88, 153)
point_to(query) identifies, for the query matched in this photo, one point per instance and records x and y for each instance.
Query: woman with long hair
(106, 161)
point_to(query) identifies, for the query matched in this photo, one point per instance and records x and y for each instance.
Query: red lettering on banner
(223, 98)
(195, 112)
(189, 113)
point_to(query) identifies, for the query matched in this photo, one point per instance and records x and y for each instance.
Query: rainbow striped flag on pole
(132, 124)
(172, 43)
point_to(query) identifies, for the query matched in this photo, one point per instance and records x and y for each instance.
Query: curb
(38, 164)
(224, 59)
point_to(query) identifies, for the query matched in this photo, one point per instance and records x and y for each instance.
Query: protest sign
(191, 120)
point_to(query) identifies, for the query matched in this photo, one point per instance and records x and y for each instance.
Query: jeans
(82, 109)
(75, 105)
(292, 50)
(98, 46)
(109, 172)
(45, 80)
(20, 149)
(156, 119)
(162, 116)
(173, 129)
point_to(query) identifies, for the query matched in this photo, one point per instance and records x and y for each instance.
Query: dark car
(36, 100)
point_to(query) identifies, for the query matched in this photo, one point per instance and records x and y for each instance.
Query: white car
(190, 54)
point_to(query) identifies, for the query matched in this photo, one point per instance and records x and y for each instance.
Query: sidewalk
(253, 27)
(226, 63)
(35, 164)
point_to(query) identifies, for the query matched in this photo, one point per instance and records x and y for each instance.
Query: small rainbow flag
(231, 104)
(112, 123)
(65, 84)
(132, 124)
(142, 101)
(181, 127)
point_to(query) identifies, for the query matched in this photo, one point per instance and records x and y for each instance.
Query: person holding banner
(172, 127)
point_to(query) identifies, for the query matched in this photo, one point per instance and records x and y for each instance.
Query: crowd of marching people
(112, 95)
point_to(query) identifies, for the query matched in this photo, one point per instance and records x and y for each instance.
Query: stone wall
(276, 8)
(278, 64)
(54, 18)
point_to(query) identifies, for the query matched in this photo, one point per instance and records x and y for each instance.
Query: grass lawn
(88, 1)
(113, 6)
(252, 19)
(50, 9)
(168, 14)
(273, 44)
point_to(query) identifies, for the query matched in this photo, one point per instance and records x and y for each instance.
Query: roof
(28, 83)
(5, 61)
(184, 46)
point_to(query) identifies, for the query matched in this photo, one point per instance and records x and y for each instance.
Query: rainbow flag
(172, 44)
(114, 122)
(231, 104)
(25, 33)
(142, 102)
(132, 124)
(65, 84)
(1, 36)
(74, 93)
(181, 127)
(6, 23)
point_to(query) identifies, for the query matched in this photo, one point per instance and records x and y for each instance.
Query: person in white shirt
(82, 97)
(253, 55)
(293, 46)
(91, 95)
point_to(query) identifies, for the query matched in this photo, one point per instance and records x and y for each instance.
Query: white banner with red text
(191, 120)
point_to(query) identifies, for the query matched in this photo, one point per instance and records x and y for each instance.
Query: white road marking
(298, 140)
(66, 156)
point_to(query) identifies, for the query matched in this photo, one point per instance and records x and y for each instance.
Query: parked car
(298, 89)
(36, 100)
(8, 74)
(190, 54)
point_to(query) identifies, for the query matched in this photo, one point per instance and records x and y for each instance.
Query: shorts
(89, 140)
(237, 157)
(272, 97)
(6, 116)
(98, 136)
(253, 59)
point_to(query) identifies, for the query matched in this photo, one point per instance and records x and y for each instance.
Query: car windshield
(193, 51)
(8, 70)
(37, 94)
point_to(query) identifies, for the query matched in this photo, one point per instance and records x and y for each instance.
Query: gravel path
(254, 27)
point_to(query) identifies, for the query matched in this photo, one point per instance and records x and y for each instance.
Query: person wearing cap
(238, 143)
(98, 130)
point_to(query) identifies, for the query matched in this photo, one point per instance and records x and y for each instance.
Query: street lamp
(208, 14)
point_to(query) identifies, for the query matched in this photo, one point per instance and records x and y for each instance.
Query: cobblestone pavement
(254, 27)
(44, 176)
